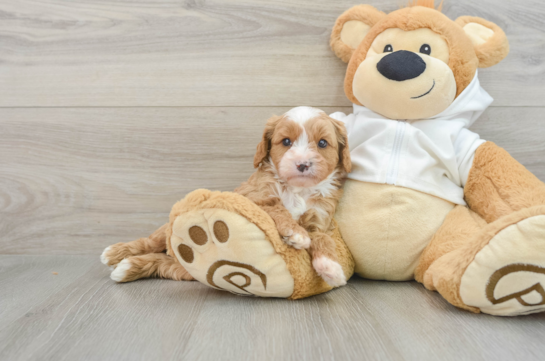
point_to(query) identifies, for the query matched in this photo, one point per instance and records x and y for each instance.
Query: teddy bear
(427, 199)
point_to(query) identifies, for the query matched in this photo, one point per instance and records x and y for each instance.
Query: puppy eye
(322, 143)
(425, 49)
(286, 142)
(388, 48)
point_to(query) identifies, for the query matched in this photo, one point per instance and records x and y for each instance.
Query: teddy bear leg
(227, 242)
(509, 197)
(506, 276)
(438, 268)
(499, 269)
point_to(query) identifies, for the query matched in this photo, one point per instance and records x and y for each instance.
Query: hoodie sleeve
(465, 146)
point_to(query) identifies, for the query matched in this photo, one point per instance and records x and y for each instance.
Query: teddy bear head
(413, 62)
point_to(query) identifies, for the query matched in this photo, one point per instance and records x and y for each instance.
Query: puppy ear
(263, 147)
(344, 149)
(489, 40)
(350, 29)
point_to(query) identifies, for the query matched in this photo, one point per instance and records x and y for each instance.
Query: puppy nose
(401, 65)
(302, 167)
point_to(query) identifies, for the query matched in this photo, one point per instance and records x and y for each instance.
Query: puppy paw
(330, 271)
(114, 254)
(299, 241)
(297, 238)
(120, 273)
(104, 256)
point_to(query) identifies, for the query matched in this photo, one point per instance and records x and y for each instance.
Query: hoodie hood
(467, 107)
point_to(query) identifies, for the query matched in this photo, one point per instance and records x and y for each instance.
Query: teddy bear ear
(489, 40)
(350, 29)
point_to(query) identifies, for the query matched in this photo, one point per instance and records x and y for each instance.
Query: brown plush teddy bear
(427, 199)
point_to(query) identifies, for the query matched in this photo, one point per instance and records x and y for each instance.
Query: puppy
(301, 161)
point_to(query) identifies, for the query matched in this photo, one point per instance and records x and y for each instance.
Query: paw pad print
(533, 295)
(226, 251)
(507, 276)
(199, 237)
(221, 231)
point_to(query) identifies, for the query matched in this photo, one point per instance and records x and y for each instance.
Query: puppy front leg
(324, 259)
(292, 233)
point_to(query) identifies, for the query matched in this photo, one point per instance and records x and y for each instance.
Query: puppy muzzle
(302, 167)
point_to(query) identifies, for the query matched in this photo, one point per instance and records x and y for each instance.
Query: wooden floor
(81, 314)
(110, 111)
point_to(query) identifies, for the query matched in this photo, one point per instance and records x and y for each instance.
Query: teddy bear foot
(507, 276)
(225, 241)
(226, 251)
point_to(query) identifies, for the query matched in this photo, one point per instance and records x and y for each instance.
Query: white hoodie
(432, 155)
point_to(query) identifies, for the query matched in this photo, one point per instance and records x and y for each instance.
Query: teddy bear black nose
(401, 65)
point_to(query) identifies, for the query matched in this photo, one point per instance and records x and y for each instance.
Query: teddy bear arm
(498, 185)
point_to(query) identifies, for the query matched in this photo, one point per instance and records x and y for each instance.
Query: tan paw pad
(507, 277)
(226, 251)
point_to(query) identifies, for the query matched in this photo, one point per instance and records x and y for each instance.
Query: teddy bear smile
(426, 93)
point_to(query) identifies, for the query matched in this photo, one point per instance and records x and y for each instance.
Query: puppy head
(305, 146)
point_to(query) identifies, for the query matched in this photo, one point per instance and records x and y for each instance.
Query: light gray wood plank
(218, 53)
(85, 178)
(82, 314)
(73, 181)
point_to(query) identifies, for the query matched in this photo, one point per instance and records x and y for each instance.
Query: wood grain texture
(110, 111)
(219, 53)
(85, 178)
(82, 314)
(75, 180)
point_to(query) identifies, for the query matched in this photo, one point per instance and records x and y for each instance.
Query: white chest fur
(299, 200)
(294, 199)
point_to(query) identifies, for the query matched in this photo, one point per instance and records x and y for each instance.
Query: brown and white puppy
(301, 161)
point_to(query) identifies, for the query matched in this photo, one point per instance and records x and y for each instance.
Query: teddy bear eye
(322, 143)
(425, 49)
(286, 142)
(388, 48)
